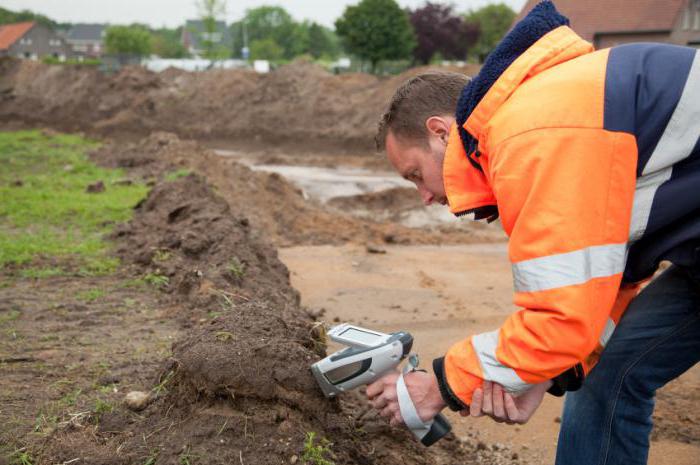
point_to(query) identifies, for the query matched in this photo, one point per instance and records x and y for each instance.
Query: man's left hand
(421, 386)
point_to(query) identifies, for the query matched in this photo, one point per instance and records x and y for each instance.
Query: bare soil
(234, 386)
(443, 294)
(273, 206)
(298, 105)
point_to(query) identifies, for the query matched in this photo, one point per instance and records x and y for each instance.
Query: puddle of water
(324, 184)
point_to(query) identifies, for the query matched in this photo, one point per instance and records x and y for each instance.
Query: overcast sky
(173, 13)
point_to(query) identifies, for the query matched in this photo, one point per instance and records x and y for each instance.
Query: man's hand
(492, 400)
(422, 387)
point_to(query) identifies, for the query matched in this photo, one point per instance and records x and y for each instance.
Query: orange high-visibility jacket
(589, 159)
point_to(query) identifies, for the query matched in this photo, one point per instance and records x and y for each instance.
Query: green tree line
(373, 31)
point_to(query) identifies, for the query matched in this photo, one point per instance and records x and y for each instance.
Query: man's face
(421, 163)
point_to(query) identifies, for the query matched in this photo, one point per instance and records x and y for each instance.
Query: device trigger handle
(427, 432)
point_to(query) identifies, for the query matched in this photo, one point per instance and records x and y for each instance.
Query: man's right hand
(493, 401)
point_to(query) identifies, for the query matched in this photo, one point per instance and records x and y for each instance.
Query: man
(590, 159)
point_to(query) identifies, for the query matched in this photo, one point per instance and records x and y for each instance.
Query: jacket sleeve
(565, 197)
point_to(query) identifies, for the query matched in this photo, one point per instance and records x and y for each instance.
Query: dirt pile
(299, 104)
(185, 233)
(676, 416)
(238, 388)
(386, 205)
(274, 207)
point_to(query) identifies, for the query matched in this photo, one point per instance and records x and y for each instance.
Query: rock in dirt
(137, 400)
(371, 248)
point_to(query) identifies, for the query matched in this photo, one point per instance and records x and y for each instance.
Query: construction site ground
(226, 270)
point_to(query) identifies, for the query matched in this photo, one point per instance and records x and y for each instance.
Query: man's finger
(374, 389)
(396, 420)
(379, 402)
(487, 403)
(512, 409)
(477, 400)
(498, 409)
(388, 411)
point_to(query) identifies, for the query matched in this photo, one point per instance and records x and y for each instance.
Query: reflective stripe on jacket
(592, 159)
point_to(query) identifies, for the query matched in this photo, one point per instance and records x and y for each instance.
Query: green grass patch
(156, 279)
(39, 273)
(46, 211)
(7, 316)
(315, 453)
(175, 175)
(91, 295)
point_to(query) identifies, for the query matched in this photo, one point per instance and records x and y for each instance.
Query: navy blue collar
(543, 19)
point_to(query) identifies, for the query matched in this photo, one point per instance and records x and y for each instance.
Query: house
(194, 35)
(87, 40)
(606, 23)
(32, 40)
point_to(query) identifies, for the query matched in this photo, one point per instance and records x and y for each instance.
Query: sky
(172, 13)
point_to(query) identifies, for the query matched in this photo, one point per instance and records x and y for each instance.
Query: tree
(210, 11)
(128, 40)
(494, 21)
(266, 49)
(322, 41)
(275, 23)
(8, 17)
(166, 43)
(376, 30)
(438, 30)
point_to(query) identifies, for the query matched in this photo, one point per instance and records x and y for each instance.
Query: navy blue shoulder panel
(643, 85)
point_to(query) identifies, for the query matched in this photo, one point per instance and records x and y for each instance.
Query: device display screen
(362, 337)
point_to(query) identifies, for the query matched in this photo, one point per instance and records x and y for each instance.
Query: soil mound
(298, 104)
(186, 233)
(383, 203)
(274, 207)
(238, 388)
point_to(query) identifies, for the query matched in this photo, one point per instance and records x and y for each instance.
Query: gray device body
(369, 356)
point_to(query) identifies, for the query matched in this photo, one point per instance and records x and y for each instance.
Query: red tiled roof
(595, 16)
(10, 33)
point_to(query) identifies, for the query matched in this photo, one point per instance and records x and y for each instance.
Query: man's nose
(426, 196)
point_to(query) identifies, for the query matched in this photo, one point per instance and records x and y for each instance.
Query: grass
(236, 268)
(21, 457)
(46, 211)
(39, 273)
(314, 454)
(90, 295)
(102, 406)
(8, 316)
(152, 457)
(175, 175)
(156, 279)
(187, 458)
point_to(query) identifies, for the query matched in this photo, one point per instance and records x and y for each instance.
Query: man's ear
(438, 126)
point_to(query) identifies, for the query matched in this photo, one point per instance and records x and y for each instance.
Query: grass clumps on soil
(314, 454)
(21, 457)
(58, 205)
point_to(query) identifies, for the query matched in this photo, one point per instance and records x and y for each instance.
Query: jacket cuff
(452, 401)
(570, 380)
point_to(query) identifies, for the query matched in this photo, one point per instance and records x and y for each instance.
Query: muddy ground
(202, 316)
(202, 320)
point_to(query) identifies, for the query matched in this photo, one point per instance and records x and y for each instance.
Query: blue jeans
(608, 421)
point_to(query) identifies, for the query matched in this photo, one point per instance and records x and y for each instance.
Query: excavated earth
(298, 105)
(237, 386)
(275, 207)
